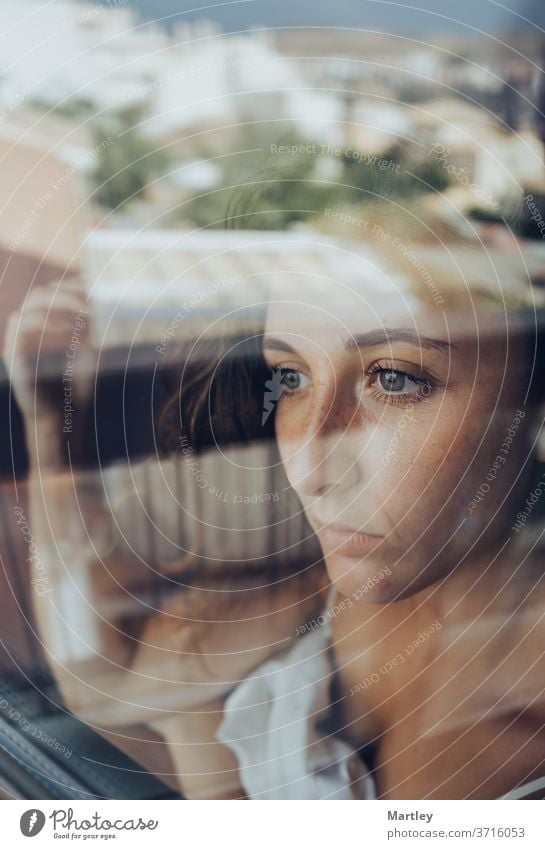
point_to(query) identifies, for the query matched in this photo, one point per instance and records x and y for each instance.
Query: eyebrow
(385, 337)
(370, 340)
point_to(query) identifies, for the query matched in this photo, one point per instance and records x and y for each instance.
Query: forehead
(333, 309)
(353, 293)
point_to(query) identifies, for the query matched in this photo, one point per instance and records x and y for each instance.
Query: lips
(337, 539)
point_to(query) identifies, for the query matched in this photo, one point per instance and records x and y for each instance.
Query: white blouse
(270, 724)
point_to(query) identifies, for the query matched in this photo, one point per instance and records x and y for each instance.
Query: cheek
(403, 451)
(440, 467)
(289, 434)
(421, 461)
(301, 451)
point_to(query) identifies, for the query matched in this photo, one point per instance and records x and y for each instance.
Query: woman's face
(399, 428)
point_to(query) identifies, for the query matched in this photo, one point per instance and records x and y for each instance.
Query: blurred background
(155, 153)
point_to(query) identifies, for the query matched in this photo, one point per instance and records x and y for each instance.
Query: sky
(400, 16)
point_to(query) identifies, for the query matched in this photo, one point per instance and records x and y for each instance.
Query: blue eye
(291, 379)
(395, 386)
(396, 381)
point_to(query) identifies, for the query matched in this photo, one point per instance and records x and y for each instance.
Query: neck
(467, 589)
(477, 586)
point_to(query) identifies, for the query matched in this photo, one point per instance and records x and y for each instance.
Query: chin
(371, 580)
(366, 579)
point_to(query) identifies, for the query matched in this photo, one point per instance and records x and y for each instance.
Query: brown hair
(216, 402)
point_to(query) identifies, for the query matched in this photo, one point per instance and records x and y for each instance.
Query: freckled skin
(449, 720)
(405, 468)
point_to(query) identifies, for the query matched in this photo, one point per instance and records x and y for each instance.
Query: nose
(327, 453)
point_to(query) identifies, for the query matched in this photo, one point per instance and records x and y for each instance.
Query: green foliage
(282, 193)
(126, 166)
(75, 107)
(432, 174)
(270, 191)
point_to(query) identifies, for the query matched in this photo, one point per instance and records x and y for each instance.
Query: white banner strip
(273, 825)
